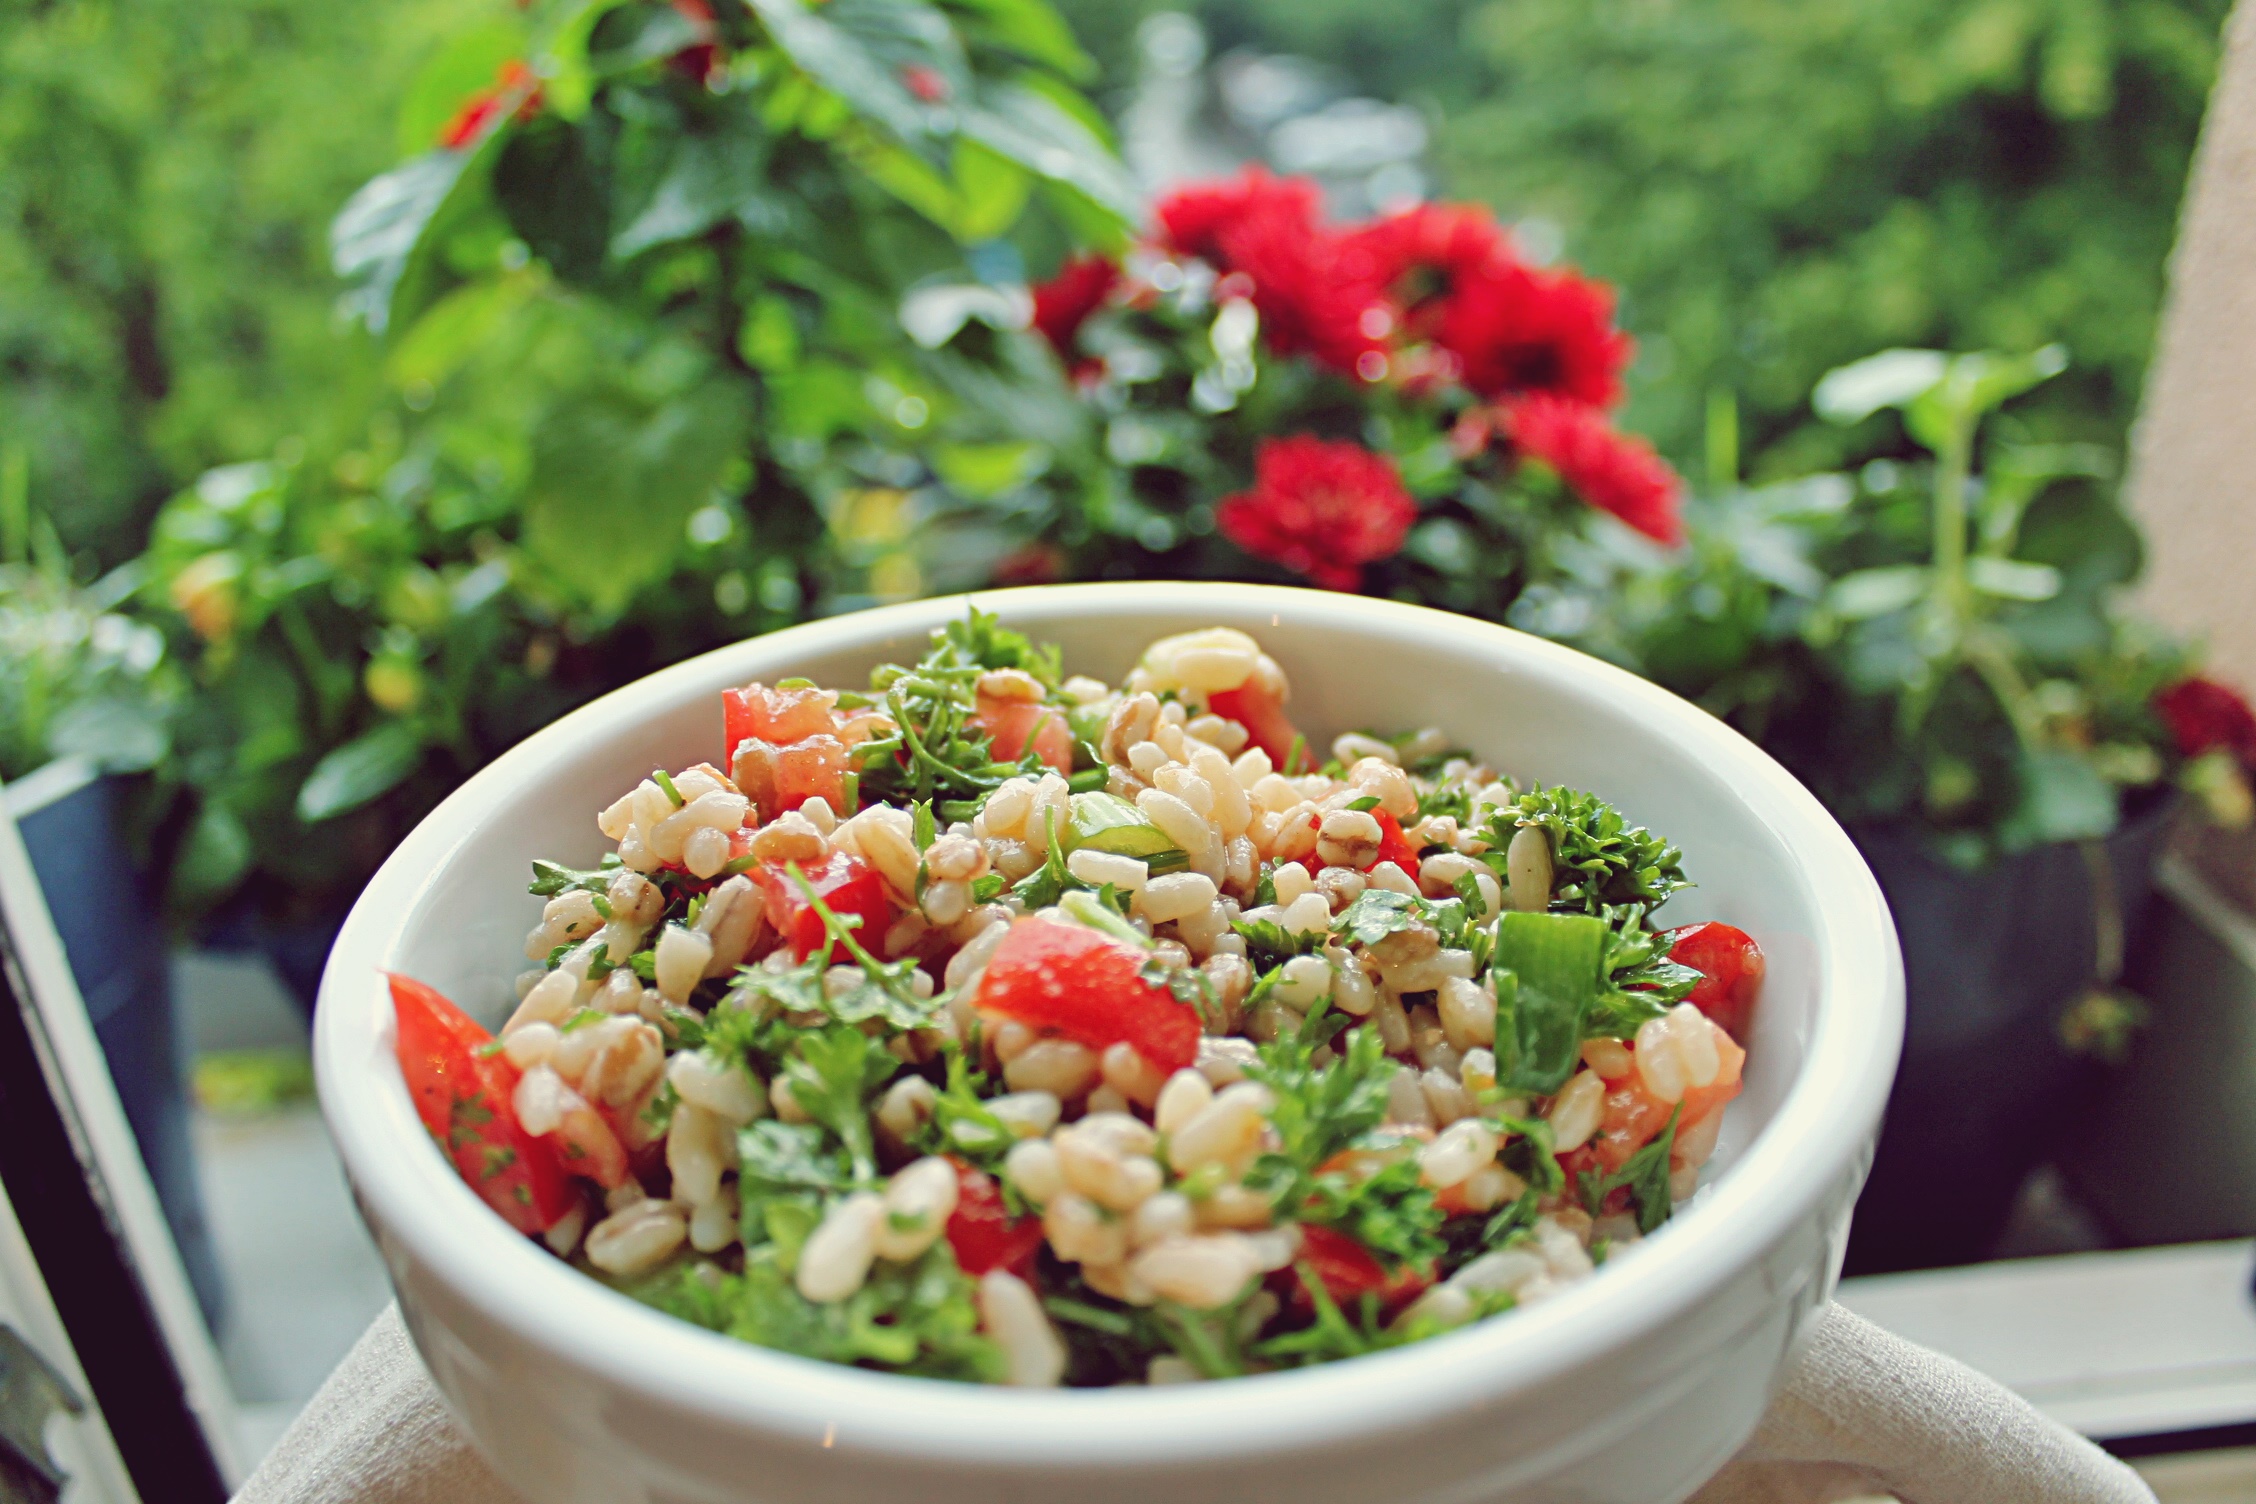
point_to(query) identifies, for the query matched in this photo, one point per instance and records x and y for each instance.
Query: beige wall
(2193, 460)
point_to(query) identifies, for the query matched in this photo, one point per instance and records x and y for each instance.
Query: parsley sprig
(936, 750)
(1323, 1109)
(1646, 1173)
(1598, 858)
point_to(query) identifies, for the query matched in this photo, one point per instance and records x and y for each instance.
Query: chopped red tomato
(777, 716)
(1634, 1116)
(847, 885)
(1731, 967)
(1011, 725)
(784, 747)
(463, 1097)
(1263, 716)
(783, 778)
(814, 768)
(984, 1234)
(1394, 847)
(1349, 1271)
(1070, 980)
(1577, 1162)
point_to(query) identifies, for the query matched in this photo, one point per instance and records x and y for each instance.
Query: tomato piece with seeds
(1349, 1271)
(462, 1088)
(1731, 970)
(1262, 714)
(983, 1233)
(1012, 726)
(847, 885)
(1067, 979)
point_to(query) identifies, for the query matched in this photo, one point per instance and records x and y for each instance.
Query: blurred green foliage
(680, 309)
(1779, 188)
(1934, 643)
(77, 677)
(166, 302)
(1783, 187)
(1409, 52)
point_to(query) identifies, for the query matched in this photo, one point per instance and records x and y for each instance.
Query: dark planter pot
(113, 933)
(297, 950)
(2190, 1078)
(1986, 1091)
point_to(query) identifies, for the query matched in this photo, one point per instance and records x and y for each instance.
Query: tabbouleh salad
(998, 1025)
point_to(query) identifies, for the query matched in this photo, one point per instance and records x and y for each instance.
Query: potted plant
(1406, 406)
(1933, 645)
(2198, 971)
(86, 698)
(695, 314)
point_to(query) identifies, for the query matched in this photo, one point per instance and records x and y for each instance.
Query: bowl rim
(1816, 1135)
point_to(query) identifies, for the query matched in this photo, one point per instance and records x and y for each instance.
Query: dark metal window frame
(62, 1201)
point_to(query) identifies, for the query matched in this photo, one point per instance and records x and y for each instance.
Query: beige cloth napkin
(1864, 1413)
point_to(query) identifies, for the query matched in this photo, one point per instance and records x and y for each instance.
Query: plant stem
(1952, 459)
(2107, 913)
(1993, 660)
(15, 504)
(1723, 439)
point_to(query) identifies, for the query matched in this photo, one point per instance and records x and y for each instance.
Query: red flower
(1425, 253)
(1193, 221)
(514, 86)
(1314, 291)
(1064, 303)
(1320, 509)
(702, 58)
(1518, 330)
(925, 82)
(2204, 715)
(1035, 563)
(1613, 471)
(1508, 328)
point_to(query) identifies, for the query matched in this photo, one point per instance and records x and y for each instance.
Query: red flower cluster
(1313, 290)
(1613, 471)
(514, 87)
(1434, 297)
(1454, 280)
(1320, 509)
(2204, 715)
(1063, 304)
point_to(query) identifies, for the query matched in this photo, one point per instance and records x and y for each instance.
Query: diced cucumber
(1547, 970)
(1107, 822)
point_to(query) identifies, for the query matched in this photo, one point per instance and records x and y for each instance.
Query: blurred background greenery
(166, 302)
(364, 589)
(1778, 188)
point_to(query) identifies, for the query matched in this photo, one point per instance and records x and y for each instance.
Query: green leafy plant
(167, 301)
(1933, 641)
(77, 677)
(684, 317)
(1785, 190)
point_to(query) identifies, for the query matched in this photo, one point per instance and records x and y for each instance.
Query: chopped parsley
(1645, 1173)
(1598, 858)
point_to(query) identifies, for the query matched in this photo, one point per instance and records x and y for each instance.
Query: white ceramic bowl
(1631, 1388)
